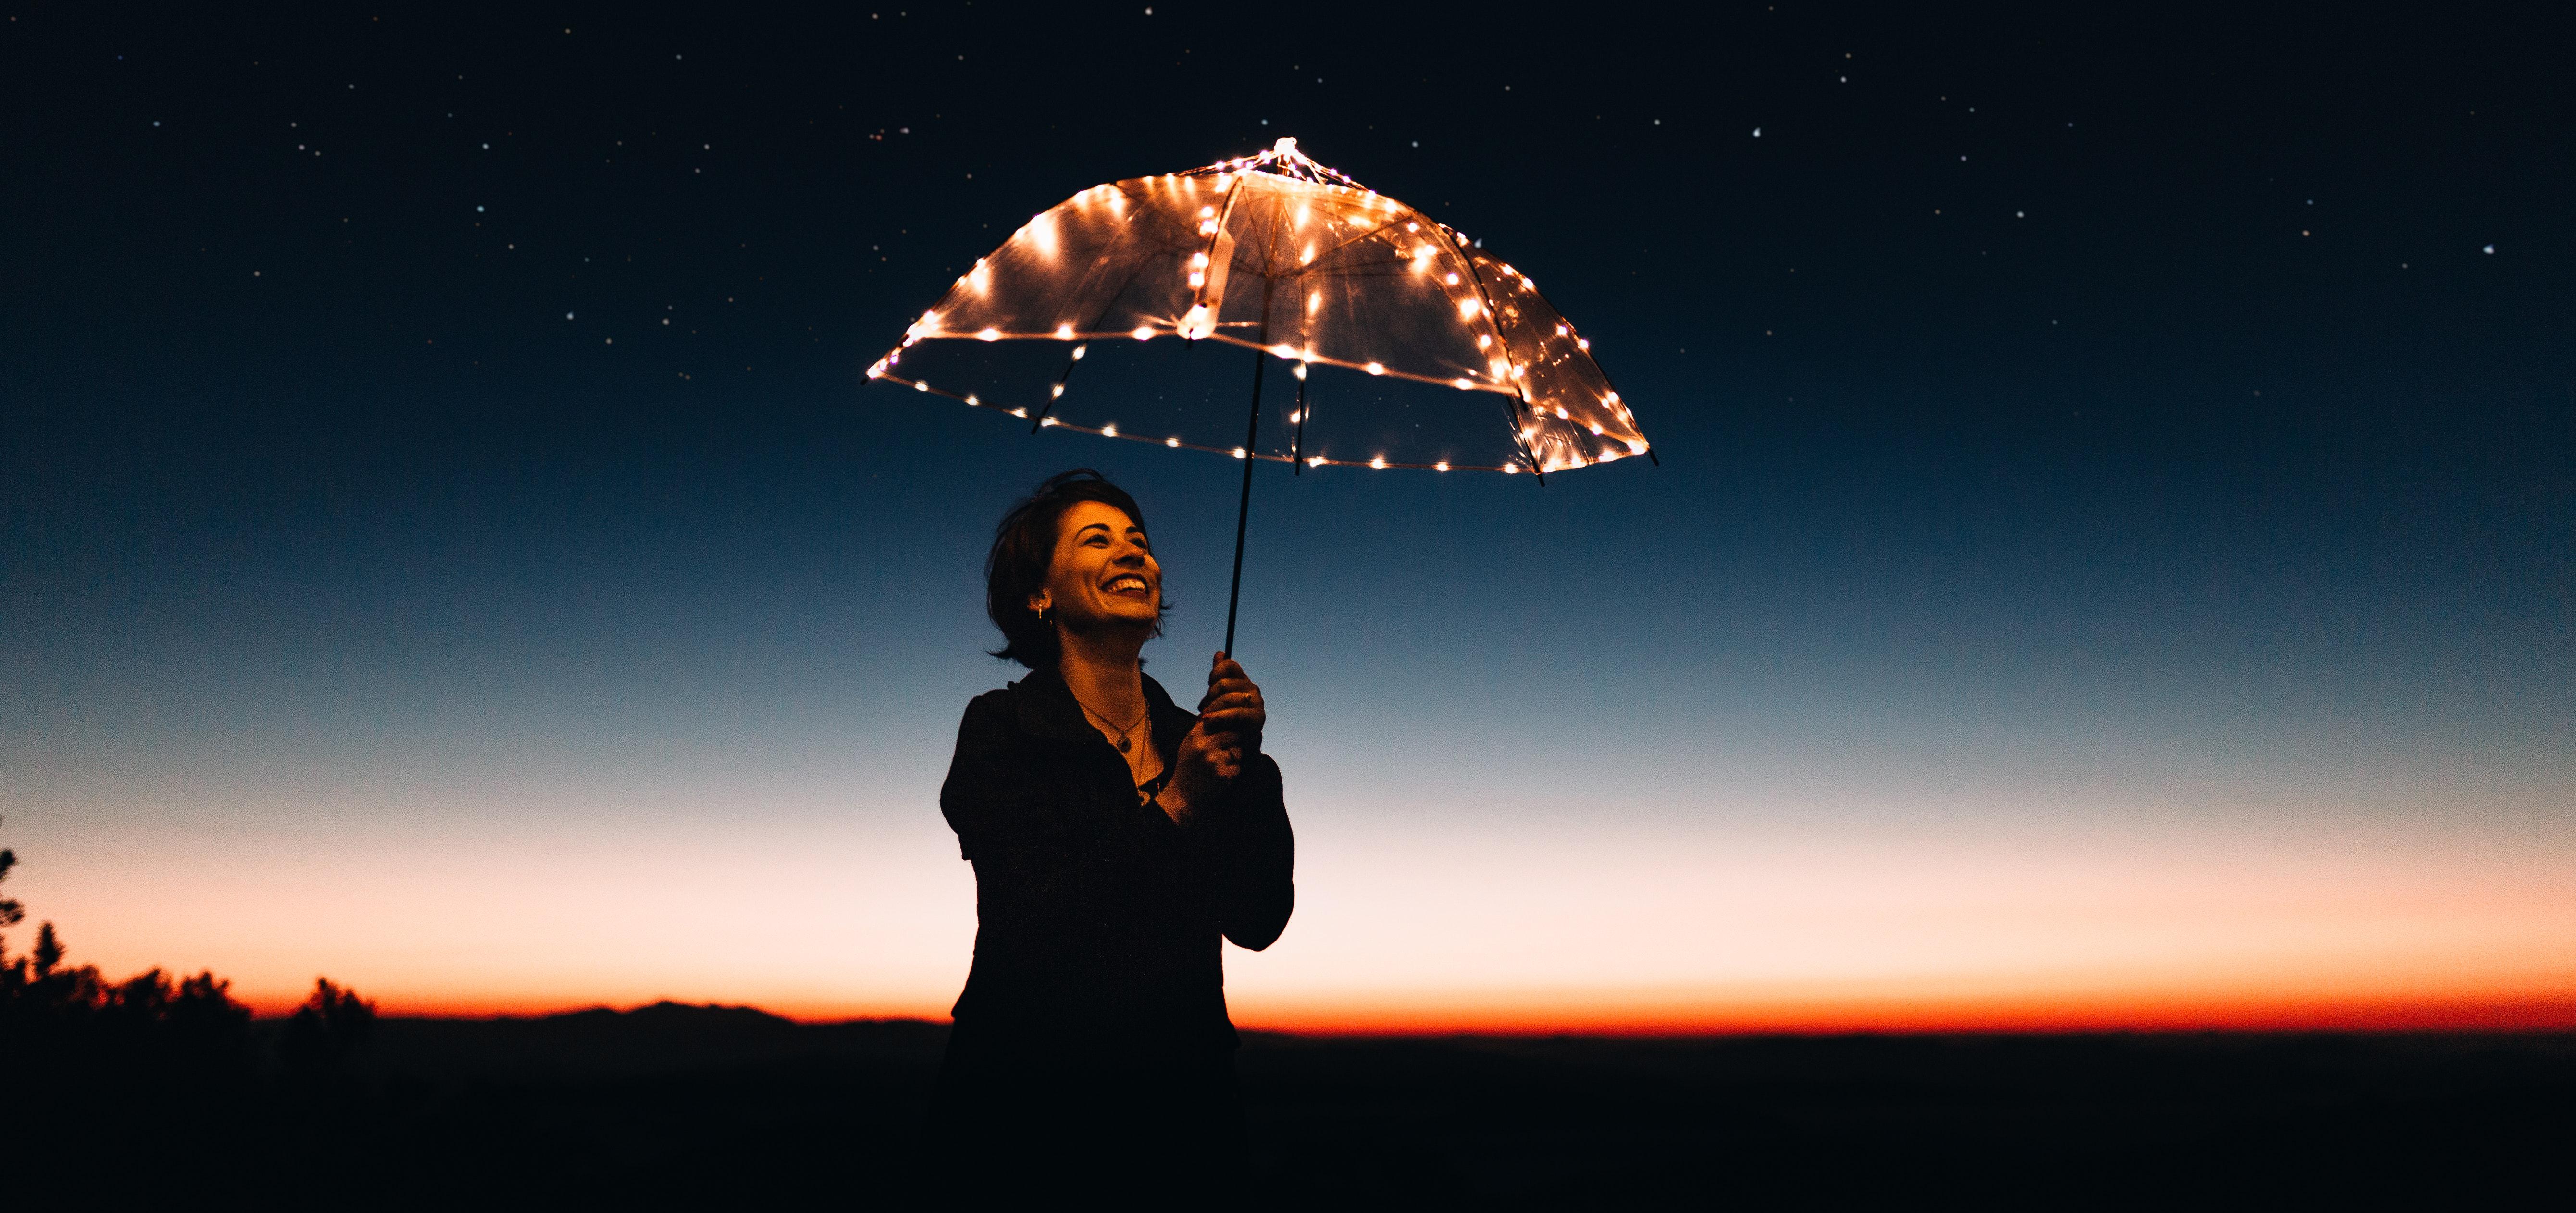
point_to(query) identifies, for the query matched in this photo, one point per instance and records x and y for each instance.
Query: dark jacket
(1098, 919)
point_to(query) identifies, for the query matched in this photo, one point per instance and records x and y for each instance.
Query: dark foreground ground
(732, 1108)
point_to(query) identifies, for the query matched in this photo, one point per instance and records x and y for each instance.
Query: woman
(1115, 839)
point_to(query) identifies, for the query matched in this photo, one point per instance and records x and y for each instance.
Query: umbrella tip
(1285, 145)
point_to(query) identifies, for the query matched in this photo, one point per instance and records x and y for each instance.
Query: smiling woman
(1117, 840)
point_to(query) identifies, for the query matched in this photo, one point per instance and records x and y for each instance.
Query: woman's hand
(1226, 738)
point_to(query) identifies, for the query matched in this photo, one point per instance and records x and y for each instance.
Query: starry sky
(2109, 563)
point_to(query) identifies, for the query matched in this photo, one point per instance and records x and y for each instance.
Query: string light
(1283, 190)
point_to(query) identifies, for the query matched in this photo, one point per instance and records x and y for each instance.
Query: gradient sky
(2110, 563)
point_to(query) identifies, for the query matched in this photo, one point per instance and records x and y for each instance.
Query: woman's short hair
(1024, 551)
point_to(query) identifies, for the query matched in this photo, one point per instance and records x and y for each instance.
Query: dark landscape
(680, 1104)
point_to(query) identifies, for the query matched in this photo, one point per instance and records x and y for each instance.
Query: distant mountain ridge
(661, 1039)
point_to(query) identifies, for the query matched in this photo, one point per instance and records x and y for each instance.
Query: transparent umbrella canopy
(1279, 254)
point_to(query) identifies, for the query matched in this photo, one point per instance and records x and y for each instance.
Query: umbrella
(1297, 262)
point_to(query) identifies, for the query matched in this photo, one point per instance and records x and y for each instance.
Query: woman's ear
(1039, 602)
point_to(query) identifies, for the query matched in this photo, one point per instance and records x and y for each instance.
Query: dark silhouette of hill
(664, 1039)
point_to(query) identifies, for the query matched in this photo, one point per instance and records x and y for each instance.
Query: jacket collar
(1047, 708)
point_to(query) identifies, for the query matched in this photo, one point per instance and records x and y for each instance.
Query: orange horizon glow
(2533, 1012)
(1406, 928)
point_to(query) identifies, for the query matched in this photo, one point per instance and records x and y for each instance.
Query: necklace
(1124, 744)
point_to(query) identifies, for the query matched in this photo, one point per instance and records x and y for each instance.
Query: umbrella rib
(1519, 437)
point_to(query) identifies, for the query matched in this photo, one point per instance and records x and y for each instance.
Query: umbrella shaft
(1243, 512)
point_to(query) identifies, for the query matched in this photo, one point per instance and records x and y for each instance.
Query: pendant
(1122, 745)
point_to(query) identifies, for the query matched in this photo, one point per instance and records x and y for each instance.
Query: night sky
(2109, 563)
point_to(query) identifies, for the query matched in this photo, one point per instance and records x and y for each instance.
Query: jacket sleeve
(989, 798)
(1251, 857)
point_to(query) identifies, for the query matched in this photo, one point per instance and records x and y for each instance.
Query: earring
(1046, 615)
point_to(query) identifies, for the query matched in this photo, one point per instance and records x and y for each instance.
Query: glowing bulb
(1510, 470)
(1375, 368)
(1452, 279)
(1110, 430)
(1056, 393)
(1467, 309)
(1064, 332)
(1483, 340)
(1582, 343)
(920, 385)
(988, 334)
(1207, 212)
(1301, 370)
(1079, 351)
(1413, 227)
(1198, 260)
(1636, 447)
(970, 399)
(1198, 278)
(1378, 462)
(1019, 412)
(1143, 333)
(878, 370)
(1316, 462)
(1314, 300)
(1238, 452)
(1441, 466)
(1050, 421)
(1284, 350)
(1287, 145)
(1292, 417)
(1560, 330)
(1460, 384)
(1173, 443)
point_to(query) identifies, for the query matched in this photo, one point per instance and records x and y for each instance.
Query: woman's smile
(1102, 548)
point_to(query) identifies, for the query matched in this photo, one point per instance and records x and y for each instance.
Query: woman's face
(1104, 574)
